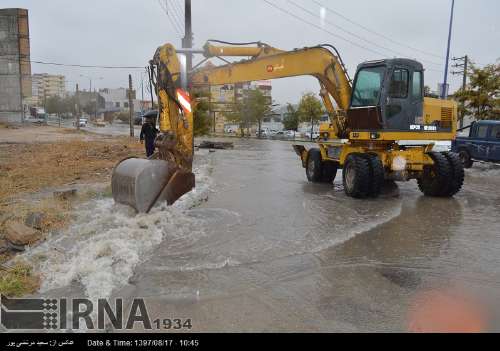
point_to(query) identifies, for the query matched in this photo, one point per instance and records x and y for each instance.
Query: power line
(356, 35)
(321, 28)
(374, 32)
(176, 14)
(71, 65)
(172, 19)
(329, 32)
(178, 11)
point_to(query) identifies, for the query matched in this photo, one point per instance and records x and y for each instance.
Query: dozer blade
(142, 183)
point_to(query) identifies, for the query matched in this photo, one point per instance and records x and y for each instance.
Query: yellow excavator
(369, 117)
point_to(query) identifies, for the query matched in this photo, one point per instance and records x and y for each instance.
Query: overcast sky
(127, 33)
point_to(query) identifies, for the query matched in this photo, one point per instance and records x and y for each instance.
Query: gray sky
(127, 33)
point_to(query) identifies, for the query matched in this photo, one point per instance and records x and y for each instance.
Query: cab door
(397, 104)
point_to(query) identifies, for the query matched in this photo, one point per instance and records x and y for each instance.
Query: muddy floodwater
(258, 248)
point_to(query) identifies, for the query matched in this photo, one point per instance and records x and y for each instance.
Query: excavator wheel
(458, 174)
(314, 169)
(357, 177)
(436, 180)
(377, 175)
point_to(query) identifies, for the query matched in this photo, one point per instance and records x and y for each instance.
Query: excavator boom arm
(271, 63)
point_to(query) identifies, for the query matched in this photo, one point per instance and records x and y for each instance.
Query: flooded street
(258, 248)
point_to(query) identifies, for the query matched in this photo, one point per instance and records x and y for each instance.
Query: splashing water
(107, 241)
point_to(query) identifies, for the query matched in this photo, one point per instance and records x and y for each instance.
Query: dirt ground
(35, 161)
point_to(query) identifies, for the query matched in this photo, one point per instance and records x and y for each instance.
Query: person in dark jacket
(148, 136)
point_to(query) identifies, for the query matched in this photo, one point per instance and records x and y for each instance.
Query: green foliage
(481, 98)
(310, 110)
(202, 120)
(292, 118)
(250, 110)
(90, 108)
(18, 280)
(58, 105)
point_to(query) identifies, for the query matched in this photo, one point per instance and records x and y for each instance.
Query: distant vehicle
(290, 133)
(82, 122)
(315, 135)
(38, 113)
(230, 131)
(482, 144)
(263, 133)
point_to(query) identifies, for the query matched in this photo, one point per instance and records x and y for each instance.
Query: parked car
(482, 144)
(290, 133)
(315, 135)
(263, 133)
(82, 122)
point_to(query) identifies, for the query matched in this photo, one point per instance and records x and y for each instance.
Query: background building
(15, 66)
(118, 98)
(223, 98)
(45, 86)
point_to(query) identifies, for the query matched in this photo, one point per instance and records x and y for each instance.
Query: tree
(481, 97)
(310, 110)
(250, 110)
(292, 118)
(258, 107)
(55, 105)
(202, 122)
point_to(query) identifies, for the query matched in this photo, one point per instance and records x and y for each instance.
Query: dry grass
(29, 168)
(18, 280)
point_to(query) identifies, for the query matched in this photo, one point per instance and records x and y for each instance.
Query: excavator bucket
(141, 183)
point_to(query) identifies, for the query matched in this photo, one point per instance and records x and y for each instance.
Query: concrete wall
(15, 69)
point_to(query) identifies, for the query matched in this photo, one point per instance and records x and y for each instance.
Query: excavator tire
(458, 174)
(436, 179)
(329, 171)
(314, 169)
(357, 177)
(377, 175)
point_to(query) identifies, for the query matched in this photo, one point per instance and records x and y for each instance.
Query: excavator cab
(387, 95)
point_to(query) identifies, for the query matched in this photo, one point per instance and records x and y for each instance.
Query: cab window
(368, 86)
(417, 88)
(399, 84)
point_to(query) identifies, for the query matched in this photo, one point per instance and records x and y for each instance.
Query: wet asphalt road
(257, 248)
(276, 253)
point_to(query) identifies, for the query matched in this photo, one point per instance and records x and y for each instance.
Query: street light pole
(187, 41)
(444, 93)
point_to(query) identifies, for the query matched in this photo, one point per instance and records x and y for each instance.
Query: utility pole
(96, 104)
(444, 93)
(462, 69)
(187, 41)
(142, 93)
(77, 95)
(150, 74)
(130, 106)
